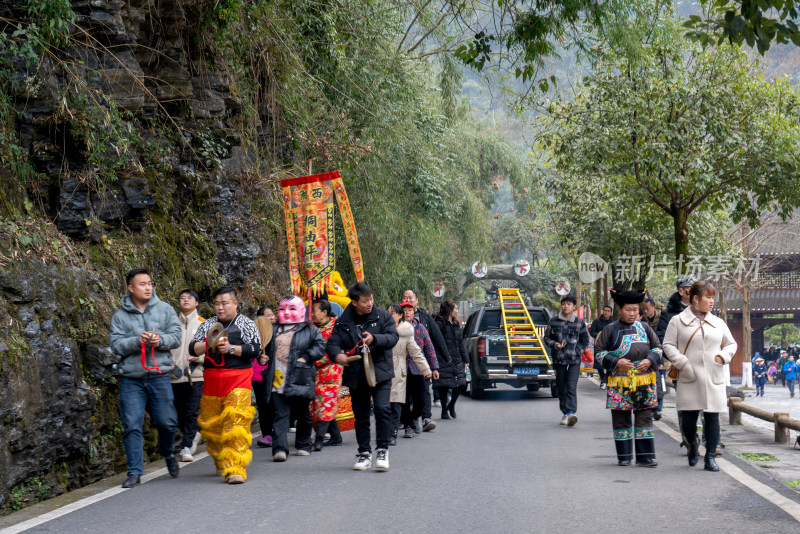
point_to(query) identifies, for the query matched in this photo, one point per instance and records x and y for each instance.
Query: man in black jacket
(364, 324)
(677, 303)
(439, 346)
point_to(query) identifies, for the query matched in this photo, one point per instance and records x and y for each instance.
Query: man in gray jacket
(143, 331)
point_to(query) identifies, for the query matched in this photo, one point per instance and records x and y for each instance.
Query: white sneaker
(563, 420)
(302, 452)
(292, 430)
(363, 461)
(186, 455)
(195, 442)
(382, 459)
(438, 404)
(572, 419)
(279, 456)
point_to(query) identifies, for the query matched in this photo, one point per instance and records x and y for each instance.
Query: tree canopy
(756, 22)
(683, 128)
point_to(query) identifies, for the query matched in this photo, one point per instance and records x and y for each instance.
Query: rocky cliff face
(140, 159)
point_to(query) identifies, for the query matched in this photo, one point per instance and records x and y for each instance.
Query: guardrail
(783, 423)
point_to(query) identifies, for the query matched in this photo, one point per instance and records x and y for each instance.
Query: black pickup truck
(485, 342)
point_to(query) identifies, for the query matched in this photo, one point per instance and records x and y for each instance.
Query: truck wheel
(532, 387)
(553, 391)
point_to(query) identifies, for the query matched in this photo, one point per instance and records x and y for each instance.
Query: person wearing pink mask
(294, 348)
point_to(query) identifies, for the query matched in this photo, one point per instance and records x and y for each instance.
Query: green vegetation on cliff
(155, 135)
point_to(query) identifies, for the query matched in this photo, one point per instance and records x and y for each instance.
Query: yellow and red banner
(309, 212)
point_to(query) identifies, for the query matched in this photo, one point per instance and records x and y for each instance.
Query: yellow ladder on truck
(523, 338)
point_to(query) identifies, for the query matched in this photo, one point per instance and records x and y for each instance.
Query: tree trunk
(598, 287)
(747, 333)
(680, 219)
(723, 305)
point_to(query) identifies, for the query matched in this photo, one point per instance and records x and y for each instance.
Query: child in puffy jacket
(760, 376)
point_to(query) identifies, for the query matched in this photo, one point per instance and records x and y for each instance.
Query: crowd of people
(197, 377)
(631, 356)
(777, 366)
(395, 365)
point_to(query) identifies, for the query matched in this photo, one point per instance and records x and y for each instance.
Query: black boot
(451, 406)
(319, 442)
(711, 463)
(624, 451)
(445, 415)
(645, 452)
(336, 435)
(693, 454)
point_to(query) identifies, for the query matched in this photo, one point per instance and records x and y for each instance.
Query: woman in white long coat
(405, 346)
(700, 344)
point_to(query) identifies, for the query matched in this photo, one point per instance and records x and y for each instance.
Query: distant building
(775, 294)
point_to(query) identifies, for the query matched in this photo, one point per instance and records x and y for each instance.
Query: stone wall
(189, 201)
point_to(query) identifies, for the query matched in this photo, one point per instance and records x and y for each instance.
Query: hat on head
(759, 359)
(628, 297)
(684, 281)
(406, 305)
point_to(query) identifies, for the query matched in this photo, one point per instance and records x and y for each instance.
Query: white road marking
(784, 503)
(83, 503)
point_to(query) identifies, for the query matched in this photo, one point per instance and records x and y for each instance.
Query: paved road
(504, 465)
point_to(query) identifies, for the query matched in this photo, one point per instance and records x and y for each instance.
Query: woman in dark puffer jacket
(451, 374)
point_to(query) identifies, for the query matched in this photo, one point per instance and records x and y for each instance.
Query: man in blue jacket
(143, 331)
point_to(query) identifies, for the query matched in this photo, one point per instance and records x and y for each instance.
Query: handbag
(303, 382)
(673, 371)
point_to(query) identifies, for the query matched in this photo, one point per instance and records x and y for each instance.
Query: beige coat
(189, 326)
(701, 381)
(405, 345)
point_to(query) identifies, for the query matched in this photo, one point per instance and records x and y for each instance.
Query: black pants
(454, 394)
(187, 404)
(601, 371)
(640, 437)
(397, 411)
(567, 386)
(262, 391)
(688, 420)
(415, 400)
(283, 407)
(661, 377)
(361, 397)
(332, 427)
(427, 399)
